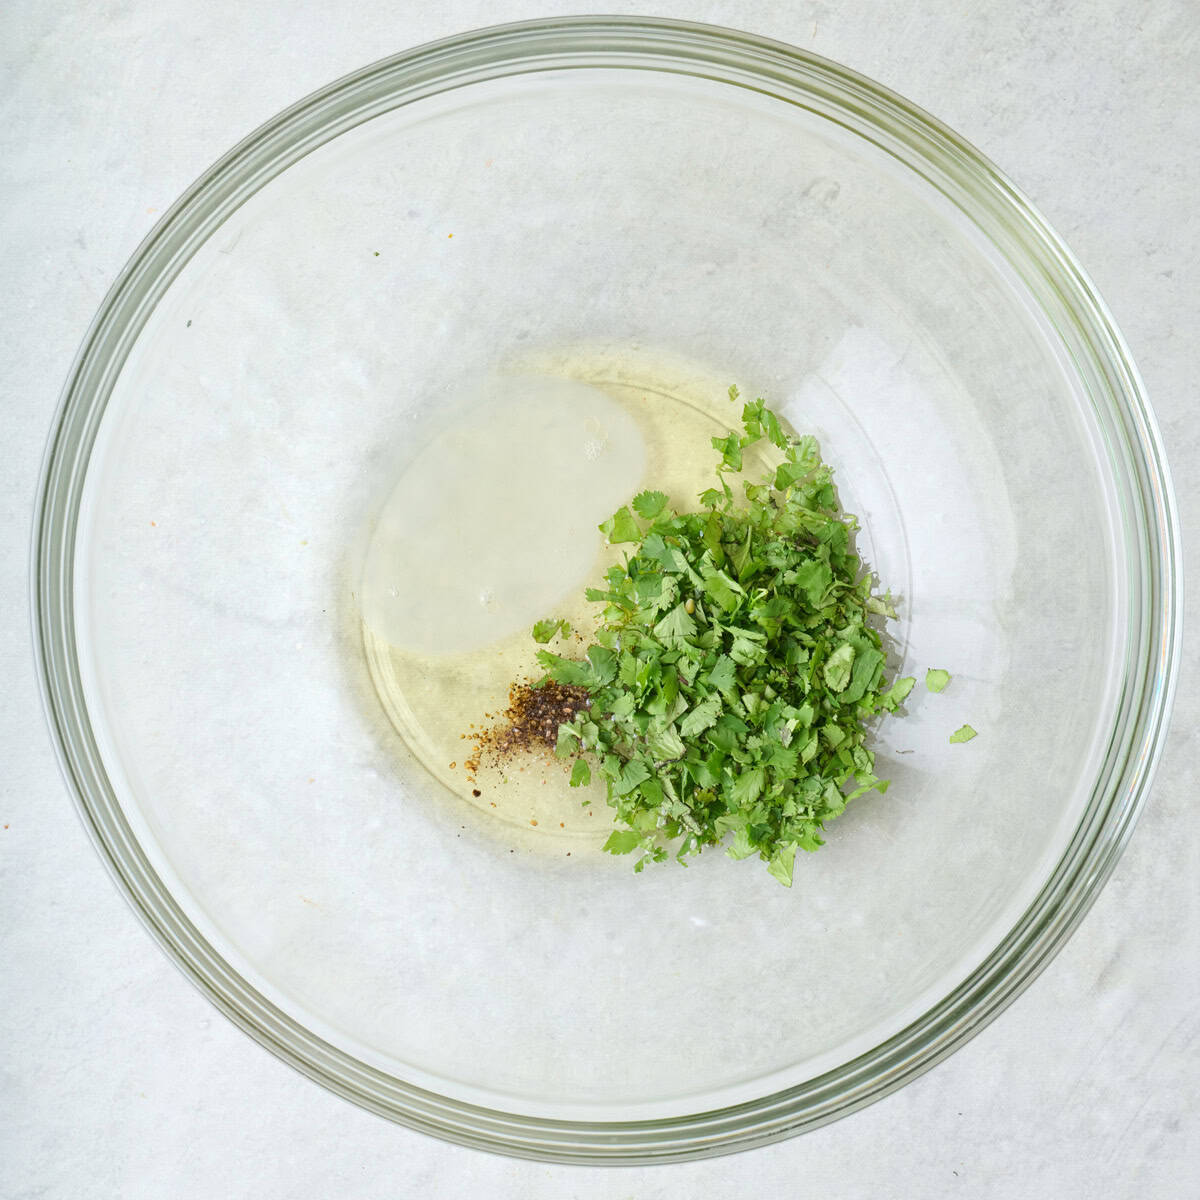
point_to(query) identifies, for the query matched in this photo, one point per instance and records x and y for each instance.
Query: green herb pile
(734, 670)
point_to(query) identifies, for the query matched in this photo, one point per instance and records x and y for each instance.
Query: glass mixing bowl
(655, 210)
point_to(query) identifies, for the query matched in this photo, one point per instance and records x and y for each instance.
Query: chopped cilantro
(964, 733)
(735, 666)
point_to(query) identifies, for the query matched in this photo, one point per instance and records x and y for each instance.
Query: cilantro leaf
(649, 504)
(747, 786)
(666, 744)
(723, 676)
(722, 590)
(731, 450)
(622, 841)
(702, 717)
(741, 846)
(881, 605)
(838, 666)
(788, 473)
(936, 679)
(622, 526)
(604, 665)
(865, 674)
(780, 864)
(676, 626)
(543, 631)
(565, 670)
(898, 692)
(814, 579)
(631, 774)
(658, 550)
(581, 773)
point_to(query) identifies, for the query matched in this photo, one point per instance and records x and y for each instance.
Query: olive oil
(494, 526)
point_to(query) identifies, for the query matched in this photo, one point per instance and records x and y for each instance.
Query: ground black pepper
(529, 725)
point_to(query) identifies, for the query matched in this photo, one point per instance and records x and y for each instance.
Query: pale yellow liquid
(493, 559)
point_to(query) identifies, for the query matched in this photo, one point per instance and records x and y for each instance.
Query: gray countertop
(120, 1080)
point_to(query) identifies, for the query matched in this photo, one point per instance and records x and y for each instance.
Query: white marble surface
(119, 1080)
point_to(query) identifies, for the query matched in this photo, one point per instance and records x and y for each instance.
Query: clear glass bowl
(657, 209)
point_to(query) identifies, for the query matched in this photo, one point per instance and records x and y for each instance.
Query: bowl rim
(1147, 510)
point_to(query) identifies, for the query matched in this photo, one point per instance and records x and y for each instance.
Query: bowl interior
(652, 235)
